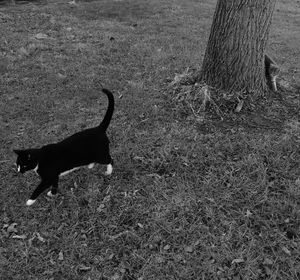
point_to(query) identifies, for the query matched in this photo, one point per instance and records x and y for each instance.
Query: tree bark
(234, 58)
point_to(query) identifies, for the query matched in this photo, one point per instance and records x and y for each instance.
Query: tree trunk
(234, 58)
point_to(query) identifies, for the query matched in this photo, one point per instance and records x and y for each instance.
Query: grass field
(189, 198)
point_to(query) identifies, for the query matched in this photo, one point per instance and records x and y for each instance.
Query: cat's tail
(111, 105)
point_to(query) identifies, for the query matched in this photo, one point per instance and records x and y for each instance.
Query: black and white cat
(86, 147)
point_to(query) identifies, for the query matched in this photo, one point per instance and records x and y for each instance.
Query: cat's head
(26, 160)
(274, 70)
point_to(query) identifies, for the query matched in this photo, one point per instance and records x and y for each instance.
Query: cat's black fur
(271, 72)
(83, 148)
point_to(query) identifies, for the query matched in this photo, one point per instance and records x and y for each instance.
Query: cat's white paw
(109, 169)
(91, 165)
(50, 194)
(274, 84)
(29, 202)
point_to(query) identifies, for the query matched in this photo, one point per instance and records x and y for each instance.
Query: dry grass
(192, 197)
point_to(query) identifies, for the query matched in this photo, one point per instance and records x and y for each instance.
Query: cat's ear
(18, 152)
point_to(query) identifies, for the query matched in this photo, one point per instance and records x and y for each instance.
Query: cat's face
(274, 70)
(26, 160)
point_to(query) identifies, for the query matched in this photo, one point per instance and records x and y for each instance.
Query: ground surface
(189, 198)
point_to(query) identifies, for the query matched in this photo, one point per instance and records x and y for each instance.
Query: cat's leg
(109, 169)
(273, 80)
(45, 184)
(109, 166)
(91, 165)
(54, 188)
(106, 159)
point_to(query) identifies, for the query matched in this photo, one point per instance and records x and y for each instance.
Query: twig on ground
(125, 232)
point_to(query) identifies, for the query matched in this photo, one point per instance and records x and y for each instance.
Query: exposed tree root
(200, 102)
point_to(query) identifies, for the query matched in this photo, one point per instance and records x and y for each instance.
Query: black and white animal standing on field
(271, 72)
(86, 147)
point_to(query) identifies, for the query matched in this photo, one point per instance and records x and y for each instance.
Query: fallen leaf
(189, 249)
(61, 76)
(239, 106)
(30, 240)
(106, 199)
(138, 158)
(178, 257)
(237, 261)
(82, 267)
(23, 51)
(248, 213)
(268, 271)
(286, 250)
(267, 261)
(5, 218)
(23, 236)
(159, 259)
(123, 270)
(48, 272)
(167, 247)
(220, 269)
(116, 276)
(40, 237)
(41, 36)
(52, 20)
(60, 256)
(179, 78)
(101, 207)
(61, 227)
(197, 242)
(12, 228)
(73, 3)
